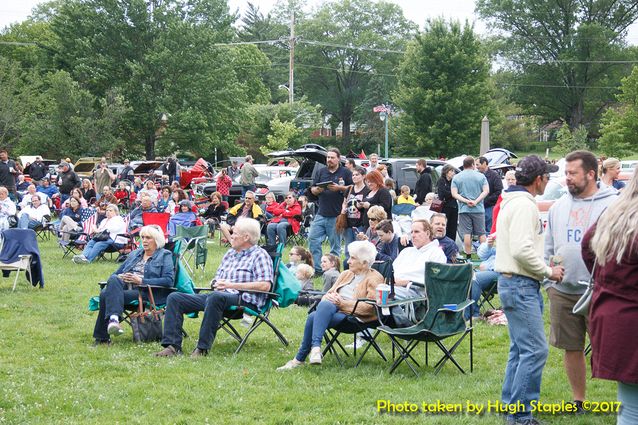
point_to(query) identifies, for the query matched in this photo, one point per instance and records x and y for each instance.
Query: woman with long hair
(610, 249)
(450, 206)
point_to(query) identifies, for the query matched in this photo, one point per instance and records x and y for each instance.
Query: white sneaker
(80, 259)
(247, 321)
(358, 343)
(294, 363)
(315, 355)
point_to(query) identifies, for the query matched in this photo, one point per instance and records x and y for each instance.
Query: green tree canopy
(443, 91)
(620, 124)
(560, 52)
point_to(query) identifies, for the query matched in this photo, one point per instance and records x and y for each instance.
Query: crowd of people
(591, 232)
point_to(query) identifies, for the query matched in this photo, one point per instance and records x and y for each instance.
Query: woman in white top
(114, 226)
(7, 208)
(34, 215)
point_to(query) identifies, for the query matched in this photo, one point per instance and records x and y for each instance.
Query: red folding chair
(160, 219)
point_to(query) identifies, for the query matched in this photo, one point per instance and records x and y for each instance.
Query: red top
(223, 184)
(613, 315)
(292, 214)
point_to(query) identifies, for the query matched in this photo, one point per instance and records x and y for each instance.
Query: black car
(311, 158)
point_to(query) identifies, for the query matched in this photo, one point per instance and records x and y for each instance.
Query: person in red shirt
(224, 182)
(286, 214)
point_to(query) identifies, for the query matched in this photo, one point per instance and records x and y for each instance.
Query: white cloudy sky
(416, 10)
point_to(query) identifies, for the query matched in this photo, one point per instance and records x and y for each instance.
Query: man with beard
(568, 220)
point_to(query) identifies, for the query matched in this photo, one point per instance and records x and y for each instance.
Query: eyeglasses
(372, 219)
(249, 199)
(290, 197)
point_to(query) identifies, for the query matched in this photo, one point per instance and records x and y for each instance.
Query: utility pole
(291, 65)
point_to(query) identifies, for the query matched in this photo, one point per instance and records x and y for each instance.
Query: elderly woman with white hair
(107, 234)
(359, 281)
(149, 265)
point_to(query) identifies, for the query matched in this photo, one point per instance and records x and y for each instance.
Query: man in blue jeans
(519, 260)
(330, 200)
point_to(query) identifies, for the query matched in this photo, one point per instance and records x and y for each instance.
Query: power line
(349, 47)
(557, 86)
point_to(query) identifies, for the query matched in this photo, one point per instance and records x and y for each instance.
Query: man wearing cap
(67, 180)
(126, 174)
(519, 260)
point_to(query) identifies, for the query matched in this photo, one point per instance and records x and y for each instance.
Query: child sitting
(388, 247)
(405, 197)
(331, 267)
(304, 275)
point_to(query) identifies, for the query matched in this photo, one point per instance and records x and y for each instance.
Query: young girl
(304, 274)
(331, 267)
(299, 255)
(405, 197)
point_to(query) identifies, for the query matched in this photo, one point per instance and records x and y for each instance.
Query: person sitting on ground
(376, 214)
(245, 267)
(285, 215)
(151, 264)
(32, 190)
(136, 220)
(409, 266)
(388, 247)
(34, 215)
(359, 281)
(88, 193)
(405, 197)
(304, 274)
(438, 221)
(71, 220)
(108, 196)
(299, 255)
(113, 226)
(213, 214)
(185, 217)
(331, 267)
(7, 208)
(248, 209)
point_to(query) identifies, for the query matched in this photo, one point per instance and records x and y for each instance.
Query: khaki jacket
(365, 289)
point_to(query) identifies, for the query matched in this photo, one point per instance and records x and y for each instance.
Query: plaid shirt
(249, 265)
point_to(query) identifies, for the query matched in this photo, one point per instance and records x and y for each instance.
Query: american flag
(91, 220)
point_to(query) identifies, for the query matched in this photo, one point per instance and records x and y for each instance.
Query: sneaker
(169, 351)
(247, 321)
(315, 355)
(580, 410)
(199, 352)
(357, 344)
(80, 259)
(114, 328)
(527, 421)
(294, 363)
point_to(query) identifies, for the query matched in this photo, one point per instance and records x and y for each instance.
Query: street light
(384, 115)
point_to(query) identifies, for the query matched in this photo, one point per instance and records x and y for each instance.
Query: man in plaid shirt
(245, 266)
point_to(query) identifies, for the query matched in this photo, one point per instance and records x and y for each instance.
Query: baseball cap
(63, 164)
(531, 167)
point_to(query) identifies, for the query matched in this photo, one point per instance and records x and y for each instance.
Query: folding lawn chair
(283, 294)
(193, 245)
(160, 219)
(19, 252)
(353, 326)
(447, 291)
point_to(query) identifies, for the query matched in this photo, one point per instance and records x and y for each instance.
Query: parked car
(85, 166)
(628, 165)
(494, 157)
(311, 159)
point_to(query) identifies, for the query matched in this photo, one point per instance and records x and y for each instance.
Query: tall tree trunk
(576, 113)
(149, 147)
(345, 129)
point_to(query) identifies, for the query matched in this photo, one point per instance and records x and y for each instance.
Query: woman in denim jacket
(151, 265)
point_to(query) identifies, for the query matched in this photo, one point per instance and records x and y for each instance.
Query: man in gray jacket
(568, 220)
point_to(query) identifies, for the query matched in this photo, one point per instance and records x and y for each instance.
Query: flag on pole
(362, 155)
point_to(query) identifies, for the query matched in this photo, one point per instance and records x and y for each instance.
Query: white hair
(154, 231)
(251, 227)
(364, 251)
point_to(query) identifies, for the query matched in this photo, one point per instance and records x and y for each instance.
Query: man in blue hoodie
(568, 220)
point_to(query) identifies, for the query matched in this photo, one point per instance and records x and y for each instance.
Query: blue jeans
(481, 282)
(93, 248)
(277, 229)
(26, 223)
(488, 219)
(628, 396)
(324, 317)
(522, 303)
(349, 238)
(113, 298)
(320, 229)
(244, 189)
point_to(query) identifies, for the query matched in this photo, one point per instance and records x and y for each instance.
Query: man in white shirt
(33, 215)
(31, 190)
(409, 266)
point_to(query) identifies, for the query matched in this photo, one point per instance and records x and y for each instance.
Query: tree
(620, 124)
(559, 52)
(337, 76)
(161, 56)
(568, 140)
(443, 91)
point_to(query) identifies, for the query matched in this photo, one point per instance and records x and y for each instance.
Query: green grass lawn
(49, 373)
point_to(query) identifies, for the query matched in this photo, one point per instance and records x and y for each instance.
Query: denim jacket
(158, 270)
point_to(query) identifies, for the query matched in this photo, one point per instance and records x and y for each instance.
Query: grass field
(50, 374)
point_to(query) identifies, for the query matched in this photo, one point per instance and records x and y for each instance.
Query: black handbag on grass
(147, 324)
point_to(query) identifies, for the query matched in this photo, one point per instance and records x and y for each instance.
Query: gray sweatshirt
(568, 220)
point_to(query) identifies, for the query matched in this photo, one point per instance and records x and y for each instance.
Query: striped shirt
(249, 265)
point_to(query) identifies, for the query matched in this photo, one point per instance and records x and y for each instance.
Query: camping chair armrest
(395, 303)
(156, 287)
(360, 300)
(459, 307)
(252, 291)
(24, 256)
(312, 292)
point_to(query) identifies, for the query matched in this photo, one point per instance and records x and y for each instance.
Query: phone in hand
(355, 231)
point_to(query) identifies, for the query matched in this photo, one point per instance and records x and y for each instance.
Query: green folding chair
(447, 289)
(193, 245)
